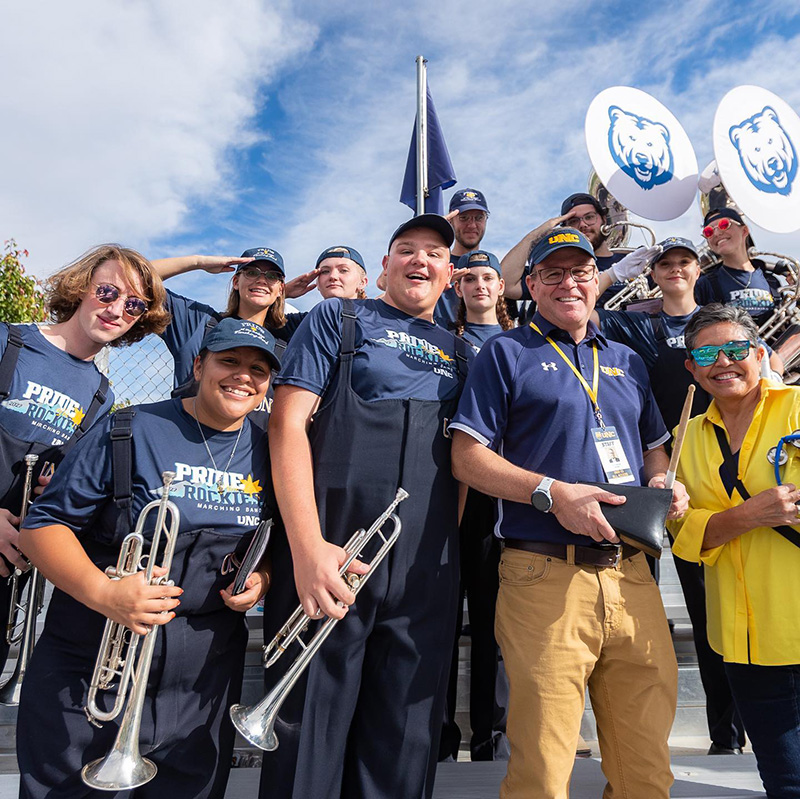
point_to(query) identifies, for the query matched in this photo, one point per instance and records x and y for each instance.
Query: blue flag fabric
(441, 174)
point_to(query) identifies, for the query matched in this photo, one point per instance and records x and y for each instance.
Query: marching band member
(74, 531)
(360, 410)
(575, 607)
(337, 276)
(659, 340)
(481, 314)
(737, 280)
(51, 391)
(257, 294)
(744, 529)
(468, 215)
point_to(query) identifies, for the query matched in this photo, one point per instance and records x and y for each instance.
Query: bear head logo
(640, 147)
(765, 151)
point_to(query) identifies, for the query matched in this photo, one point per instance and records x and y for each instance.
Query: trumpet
(257, 722)
(123, 767)
(22, 615)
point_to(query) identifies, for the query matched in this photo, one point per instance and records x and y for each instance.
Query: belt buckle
(617, 548)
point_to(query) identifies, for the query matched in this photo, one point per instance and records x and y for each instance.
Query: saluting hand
(319, 585)
(300, 285)
(774, 506)
(577, 507)
(9, 543)
(137, 605)
(216, 264)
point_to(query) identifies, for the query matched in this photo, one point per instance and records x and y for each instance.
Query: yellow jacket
(753, 581)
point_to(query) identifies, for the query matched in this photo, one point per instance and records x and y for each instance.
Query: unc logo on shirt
(640, 147)
(765, 151)
(212, 489)
(421, 350)
(612, 371)
(49, 409)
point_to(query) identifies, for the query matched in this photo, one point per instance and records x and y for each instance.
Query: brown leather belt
(605, 557)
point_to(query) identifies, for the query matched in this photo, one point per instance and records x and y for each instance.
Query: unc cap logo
(640, 147)
(469, 195)
(558, 238)
(766, 152)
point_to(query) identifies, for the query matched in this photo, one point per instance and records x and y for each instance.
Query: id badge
(612, 455)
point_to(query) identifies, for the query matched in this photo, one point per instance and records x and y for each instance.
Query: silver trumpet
(257, 722)
(124, 767)
(22, 614)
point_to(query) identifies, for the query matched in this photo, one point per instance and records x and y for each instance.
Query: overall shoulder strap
(8, 363)
(98, 400)
(122, 466)
(657, 326)
(349, 317)
(462, 359)
(729, 473)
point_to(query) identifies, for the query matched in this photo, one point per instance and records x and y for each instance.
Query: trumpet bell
(118, 771)
(255, 727)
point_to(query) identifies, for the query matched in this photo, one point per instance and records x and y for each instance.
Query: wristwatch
(540, 498)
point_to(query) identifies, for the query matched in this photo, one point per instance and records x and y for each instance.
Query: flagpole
(422, 134)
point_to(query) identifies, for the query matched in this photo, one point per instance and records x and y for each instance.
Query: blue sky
(198, 126)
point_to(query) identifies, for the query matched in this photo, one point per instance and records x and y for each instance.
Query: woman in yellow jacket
(743, 526)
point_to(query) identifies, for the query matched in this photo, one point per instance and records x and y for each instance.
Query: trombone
(22, 615)
(257, 722)
(124, 767)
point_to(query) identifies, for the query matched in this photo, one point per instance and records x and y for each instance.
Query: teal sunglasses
(734, 351)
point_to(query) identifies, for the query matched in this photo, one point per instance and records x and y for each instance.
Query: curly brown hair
(68, 288)
(503, 319)
(275, 317)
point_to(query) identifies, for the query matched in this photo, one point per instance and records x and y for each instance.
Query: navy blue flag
(441, 174)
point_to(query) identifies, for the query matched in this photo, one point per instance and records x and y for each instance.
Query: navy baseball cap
(479, 258)
(264, 254)
(673, 243)
(341, 252)
(581, 198)
(431, 221)
(230, 333)
(468, 200)
(557, 239)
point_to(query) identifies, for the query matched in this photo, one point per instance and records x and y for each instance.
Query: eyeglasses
(553, 275)
(108, 294)
(734, 351)
(722, 224)
(589, 219)
(253, 272)
(472, 216)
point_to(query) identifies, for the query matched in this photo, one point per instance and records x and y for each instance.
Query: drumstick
(669, 481)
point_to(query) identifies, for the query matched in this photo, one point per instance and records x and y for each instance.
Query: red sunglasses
(722, 224)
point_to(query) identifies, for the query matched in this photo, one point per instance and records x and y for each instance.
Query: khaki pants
(562, 627)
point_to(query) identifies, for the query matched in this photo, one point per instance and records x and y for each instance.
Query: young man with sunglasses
(50, 390)
(576, 608)
(743, 528)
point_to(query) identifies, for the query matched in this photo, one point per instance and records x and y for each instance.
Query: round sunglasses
(254, 272)
(108, 294)
(722, 224)
(734, 351)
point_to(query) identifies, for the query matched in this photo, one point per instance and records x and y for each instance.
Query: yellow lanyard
(595, 387)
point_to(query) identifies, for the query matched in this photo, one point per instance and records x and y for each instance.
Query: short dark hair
(718, 314)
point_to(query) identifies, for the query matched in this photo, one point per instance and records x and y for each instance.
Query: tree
(21, 296)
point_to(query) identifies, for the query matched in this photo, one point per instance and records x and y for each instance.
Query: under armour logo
(550, 365)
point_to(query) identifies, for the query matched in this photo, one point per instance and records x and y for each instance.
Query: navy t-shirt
(165, 437)
(523, 401)
(446, 311)
(477, 335)
(748, 290)
(51, 390)
(293, 321)
(397, 356)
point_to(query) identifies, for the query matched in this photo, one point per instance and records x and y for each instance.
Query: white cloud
(119, 116)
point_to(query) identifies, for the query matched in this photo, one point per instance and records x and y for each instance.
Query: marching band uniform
(199, 655)
(375, 691)
(48, 400)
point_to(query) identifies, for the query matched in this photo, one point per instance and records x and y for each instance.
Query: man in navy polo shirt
(575, 607)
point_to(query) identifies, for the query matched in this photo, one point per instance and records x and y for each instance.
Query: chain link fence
(139, 373)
